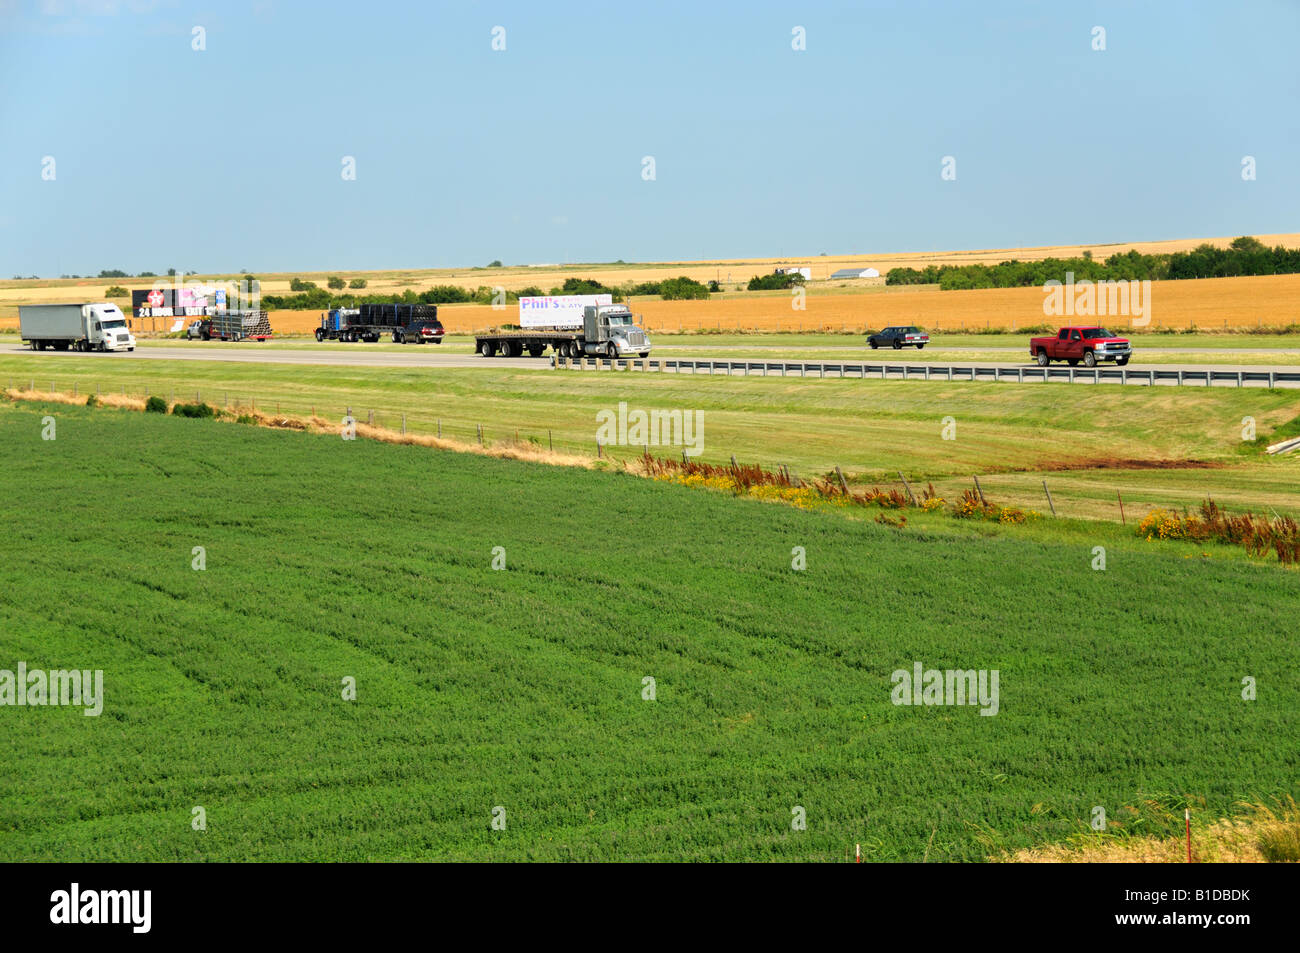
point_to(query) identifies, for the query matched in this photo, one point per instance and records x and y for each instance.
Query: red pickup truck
(1075, 344)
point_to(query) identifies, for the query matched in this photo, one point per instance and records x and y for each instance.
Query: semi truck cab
(609, 330)
(106, 328)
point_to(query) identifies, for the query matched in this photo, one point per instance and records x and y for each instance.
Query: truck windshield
(1094, 333)
(110, 323)
(620, 320)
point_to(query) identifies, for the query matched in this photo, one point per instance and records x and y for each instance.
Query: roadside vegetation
(1165, 447)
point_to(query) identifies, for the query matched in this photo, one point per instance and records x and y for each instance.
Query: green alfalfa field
(523, 688)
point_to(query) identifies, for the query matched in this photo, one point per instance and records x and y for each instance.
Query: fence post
(981, 491)
(600, 452)
(550, 441)
(480, 434)
(403, 424)
(908, 486)
(844, 484)
(439, 428)
(1049, 497)
(1118, 496)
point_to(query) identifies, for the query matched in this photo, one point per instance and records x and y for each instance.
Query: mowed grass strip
(872, 429)
(523, 688)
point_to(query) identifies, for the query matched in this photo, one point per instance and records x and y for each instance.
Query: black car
(899, 337)
(419, 331)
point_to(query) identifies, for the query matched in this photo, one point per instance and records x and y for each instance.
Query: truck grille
(636, 338)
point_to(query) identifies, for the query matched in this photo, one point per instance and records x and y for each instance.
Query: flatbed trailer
(606, 331)
(231, 326)
(534, 343)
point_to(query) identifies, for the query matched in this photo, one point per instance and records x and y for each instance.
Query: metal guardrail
(946, 372)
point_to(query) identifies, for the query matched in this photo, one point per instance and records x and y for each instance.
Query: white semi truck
(573, 326)
(98, 326)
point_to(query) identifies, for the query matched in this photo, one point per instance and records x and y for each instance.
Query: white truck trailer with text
(98, 326)
(572, 325)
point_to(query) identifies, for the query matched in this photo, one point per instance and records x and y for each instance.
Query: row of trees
(320, 299)
(774, 281)
(308, 296)
(1245, 256)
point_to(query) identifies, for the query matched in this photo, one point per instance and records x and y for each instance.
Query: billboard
(557, 311)
(153, 302)
(194, 299)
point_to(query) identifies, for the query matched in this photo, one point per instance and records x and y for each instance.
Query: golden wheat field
(1208, 303)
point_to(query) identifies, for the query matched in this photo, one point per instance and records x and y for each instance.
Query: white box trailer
(95, 326)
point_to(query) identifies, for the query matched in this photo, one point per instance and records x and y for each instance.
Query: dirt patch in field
(1117, 463)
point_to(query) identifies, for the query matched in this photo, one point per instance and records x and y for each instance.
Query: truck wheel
(643, 355)
(611, 351)
(1042, 358)
(1121, 361)
(320, 335)
(919, 346)
(486, 349)
(1089, 359)
(898, 345)
(872, 342)
(535, 350)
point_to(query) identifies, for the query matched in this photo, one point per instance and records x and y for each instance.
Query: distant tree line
(308, 296)
(775, 281)
(1245, 256)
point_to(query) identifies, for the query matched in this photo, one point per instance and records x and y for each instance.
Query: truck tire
(1042, 358)
(535, 350)
(919, 346)
(643, 355)
(486, 348)
(320, 335)
(611, 351)
(898, 345)
(1121, 361)
(398, 338)
(1089, 359)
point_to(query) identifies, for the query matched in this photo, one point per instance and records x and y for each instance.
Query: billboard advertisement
(557, 311)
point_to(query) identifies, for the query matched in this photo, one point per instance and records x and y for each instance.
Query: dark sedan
(899, 337)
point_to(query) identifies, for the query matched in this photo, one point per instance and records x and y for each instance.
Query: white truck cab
(610, 330)
(107, 329)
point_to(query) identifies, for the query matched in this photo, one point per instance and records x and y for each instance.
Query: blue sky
(231, 157)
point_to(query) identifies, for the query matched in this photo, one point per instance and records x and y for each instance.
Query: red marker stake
(857, 853)
(1187, 816)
